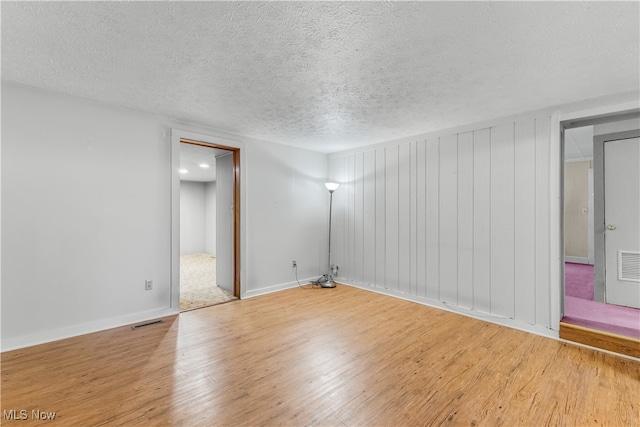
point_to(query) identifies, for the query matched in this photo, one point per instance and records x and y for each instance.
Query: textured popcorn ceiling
(324, 76)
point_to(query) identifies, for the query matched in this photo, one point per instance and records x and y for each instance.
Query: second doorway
(206, 226)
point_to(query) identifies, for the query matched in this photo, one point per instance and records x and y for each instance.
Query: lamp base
(326, 281)
(330, 284)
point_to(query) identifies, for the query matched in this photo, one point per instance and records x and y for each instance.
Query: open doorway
(592, 177)
(206, 225)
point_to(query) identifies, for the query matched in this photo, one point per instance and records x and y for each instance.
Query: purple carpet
(603, 317)
(580, 308)
(578, 280)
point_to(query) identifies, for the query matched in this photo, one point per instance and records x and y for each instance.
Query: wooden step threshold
(599, 339)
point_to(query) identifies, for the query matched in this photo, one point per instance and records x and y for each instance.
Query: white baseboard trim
(14, 343)
(275, 288)
(487, 317)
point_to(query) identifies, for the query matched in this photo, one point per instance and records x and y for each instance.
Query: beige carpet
(198, 282)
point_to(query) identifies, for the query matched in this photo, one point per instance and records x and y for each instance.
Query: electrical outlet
(294, 264)
(148, 285)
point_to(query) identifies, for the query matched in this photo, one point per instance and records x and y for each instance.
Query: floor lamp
(326, 281)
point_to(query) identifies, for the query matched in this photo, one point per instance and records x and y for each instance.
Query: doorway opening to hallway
(207, 259)
(601, 196)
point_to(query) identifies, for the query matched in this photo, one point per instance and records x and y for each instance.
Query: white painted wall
(86, 191)
(197, 217)
(86, 218)
(192, 217)
(577, 198)
(290, 216)
(461, 220)
(210, 217)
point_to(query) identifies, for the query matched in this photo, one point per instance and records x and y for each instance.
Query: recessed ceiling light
(204, 165)
(183, 171)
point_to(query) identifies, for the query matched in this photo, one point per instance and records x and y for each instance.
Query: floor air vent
(629, 266)
(143, 325)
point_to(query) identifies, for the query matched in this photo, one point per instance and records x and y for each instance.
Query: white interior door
(622, 221)
(224, 221)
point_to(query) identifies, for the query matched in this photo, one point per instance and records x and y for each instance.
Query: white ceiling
(578, 143)
(325, 75)
(191, 159)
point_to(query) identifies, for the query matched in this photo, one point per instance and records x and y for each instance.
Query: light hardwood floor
(340, 357)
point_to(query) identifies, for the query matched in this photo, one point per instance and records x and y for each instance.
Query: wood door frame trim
(621, 344)
(236, 205)
(238, 148)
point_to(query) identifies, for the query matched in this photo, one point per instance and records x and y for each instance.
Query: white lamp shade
(331, 186)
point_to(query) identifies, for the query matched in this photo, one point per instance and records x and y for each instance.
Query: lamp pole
(330, 211)
(329, 283)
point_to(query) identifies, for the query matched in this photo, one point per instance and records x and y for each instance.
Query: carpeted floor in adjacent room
(578, 280)
(580, 308)
(198, 282)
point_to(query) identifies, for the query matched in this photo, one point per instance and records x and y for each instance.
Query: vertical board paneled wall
(463, 219)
